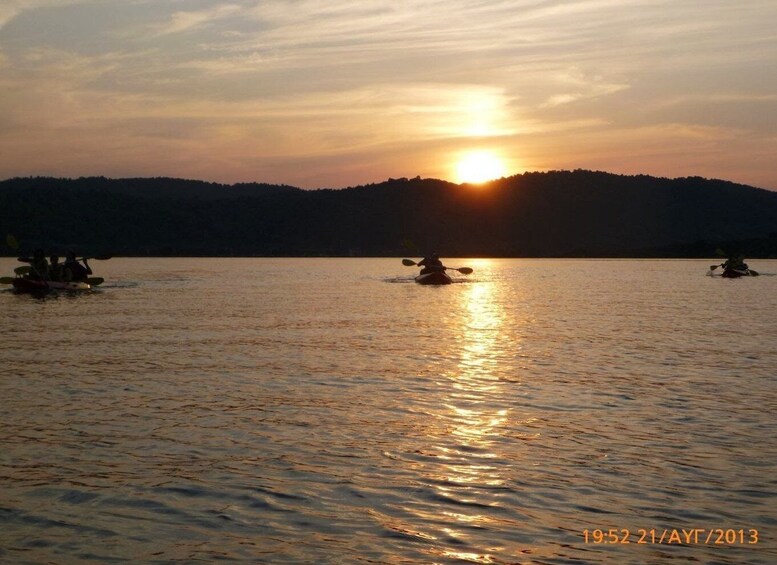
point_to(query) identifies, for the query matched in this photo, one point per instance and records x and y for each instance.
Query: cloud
(10, 9)
(282, 81)
(183, 21)
(573, 85)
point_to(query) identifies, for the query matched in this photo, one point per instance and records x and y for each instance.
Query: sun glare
(478, 167)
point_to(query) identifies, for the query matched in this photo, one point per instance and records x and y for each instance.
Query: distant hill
(553, 214)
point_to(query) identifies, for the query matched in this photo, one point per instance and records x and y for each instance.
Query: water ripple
(301, 411)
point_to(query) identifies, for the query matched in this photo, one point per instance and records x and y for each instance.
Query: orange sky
(347, 92)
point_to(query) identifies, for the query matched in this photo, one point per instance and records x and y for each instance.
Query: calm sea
(332, 411)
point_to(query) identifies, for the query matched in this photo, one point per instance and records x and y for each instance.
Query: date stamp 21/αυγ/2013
(674, 536)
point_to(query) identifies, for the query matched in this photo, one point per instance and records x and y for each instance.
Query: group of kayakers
(733, 267)
(72, 270)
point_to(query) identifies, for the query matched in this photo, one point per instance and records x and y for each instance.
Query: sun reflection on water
(474, 416)
(473, 402)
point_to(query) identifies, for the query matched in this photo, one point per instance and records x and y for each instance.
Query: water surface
(332, 411)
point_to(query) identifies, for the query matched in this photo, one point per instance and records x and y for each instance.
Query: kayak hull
(36, 286)
(434, 278)
(736, 273)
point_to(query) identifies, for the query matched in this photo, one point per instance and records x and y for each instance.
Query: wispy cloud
(184, 21)
(253, 86)
(9, 9)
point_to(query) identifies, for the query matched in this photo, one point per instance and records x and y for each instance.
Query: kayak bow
(736, 273)
(435, 277)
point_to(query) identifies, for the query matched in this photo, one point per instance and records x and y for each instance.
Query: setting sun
(478, 167)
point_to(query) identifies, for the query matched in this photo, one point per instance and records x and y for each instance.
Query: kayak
(436, 277)
(736, 273)
(32, 285)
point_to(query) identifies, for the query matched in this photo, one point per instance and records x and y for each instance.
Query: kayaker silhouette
(39, 266)
(431, 264)
(737, 263)
(55, 268)
(75, 271)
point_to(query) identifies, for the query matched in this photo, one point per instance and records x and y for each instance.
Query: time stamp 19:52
(672, 536)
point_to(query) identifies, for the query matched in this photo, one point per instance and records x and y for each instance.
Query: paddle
(6, 280)
(462, 270)
(12, 242)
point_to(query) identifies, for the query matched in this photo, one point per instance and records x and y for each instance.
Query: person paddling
(75, 271)
(55, 268)
(431, 264)
(737, 263)
(39, 267)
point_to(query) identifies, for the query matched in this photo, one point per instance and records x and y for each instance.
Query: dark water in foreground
(331, 411)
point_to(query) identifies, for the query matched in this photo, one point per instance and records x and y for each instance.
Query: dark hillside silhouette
(558, 214)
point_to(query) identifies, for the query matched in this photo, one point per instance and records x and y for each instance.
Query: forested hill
(560, 213)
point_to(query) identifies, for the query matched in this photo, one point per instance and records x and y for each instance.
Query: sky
(335, 93)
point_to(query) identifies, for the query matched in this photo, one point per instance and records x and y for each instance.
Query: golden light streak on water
(331, 410)
(468, 411)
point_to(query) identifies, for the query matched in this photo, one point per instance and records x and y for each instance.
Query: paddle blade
(23, 270)
(465, 270)
(753, 273)
(11, 242)
(24, 259)
(408, 262)
(713, 267)
(6, 280)
(95, 281)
